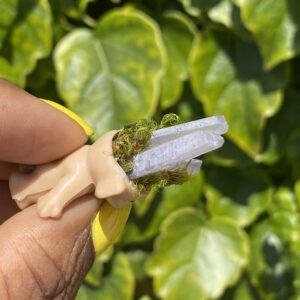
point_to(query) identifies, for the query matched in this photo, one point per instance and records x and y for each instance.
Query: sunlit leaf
(25, 37)
(178, 34)
(94, 276)
(194, 7)
(137, 261)
(280, 128)
(110, 76)
(275, 26)
(172, 198)
(283, 201)
(228, 14)
(119, 284)
(72, 8)
(271, 265)
(293, 156)
(196, 258)
(141, 206)
(230, 155)
(239, 194)
(145, 297)
(243, 290)
(227, 77)
(176, 197)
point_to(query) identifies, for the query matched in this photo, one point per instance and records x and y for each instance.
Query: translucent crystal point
(194, 166)
(215, 124)
(176, 146)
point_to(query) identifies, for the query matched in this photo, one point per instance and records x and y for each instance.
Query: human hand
(40, 258)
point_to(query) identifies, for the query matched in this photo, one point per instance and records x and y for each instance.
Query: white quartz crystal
(176, 146)
(194, 166)
(215, 124)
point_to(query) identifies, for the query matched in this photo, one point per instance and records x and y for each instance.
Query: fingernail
(87, 129)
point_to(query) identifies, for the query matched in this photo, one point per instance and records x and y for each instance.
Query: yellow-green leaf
(178, 33)
(172, 198)
(227, 77)
(25, 37)
(228, 14)
(274, 266)
(195, 258)
(240, 194)
(275, 26)
(195, 7)
(119, 284)
(110, 76)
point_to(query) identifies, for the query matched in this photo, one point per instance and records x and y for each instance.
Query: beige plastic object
(91, 168)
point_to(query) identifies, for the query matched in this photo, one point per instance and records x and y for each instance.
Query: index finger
(33, 132)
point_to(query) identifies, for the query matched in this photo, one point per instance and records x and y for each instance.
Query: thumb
(46, 258)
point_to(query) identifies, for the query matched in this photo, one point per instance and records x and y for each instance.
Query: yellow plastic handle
(108, 225)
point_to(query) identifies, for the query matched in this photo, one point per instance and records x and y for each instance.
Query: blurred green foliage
(232, 232)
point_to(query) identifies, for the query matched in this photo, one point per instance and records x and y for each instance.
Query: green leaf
(293, 150)
(143, 286)
(227, 77)
(137, 261)
(195, 258)
(239, 194)
(271, 264)
(141, 206)
(187, 107)
(76, 8)
(293, 155)
(279, 129)
(284, 216)
(72, 8)
(241, 291)
(228, 14)
(110, 76)
(41, 81)
(195, 7)
(94, 276)
(172, 198)
(145, 297)
(8, 14)
(25, 37)
(284, 201)
(176, 197)
(275, 26)
(178, 33)
(287, 118)
(119, 284)
(229, 156)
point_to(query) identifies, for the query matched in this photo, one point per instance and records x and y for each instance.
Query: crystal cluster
(177, 146)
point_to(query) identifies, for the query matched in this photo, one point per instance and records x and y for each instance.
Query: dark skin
(40, 259)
